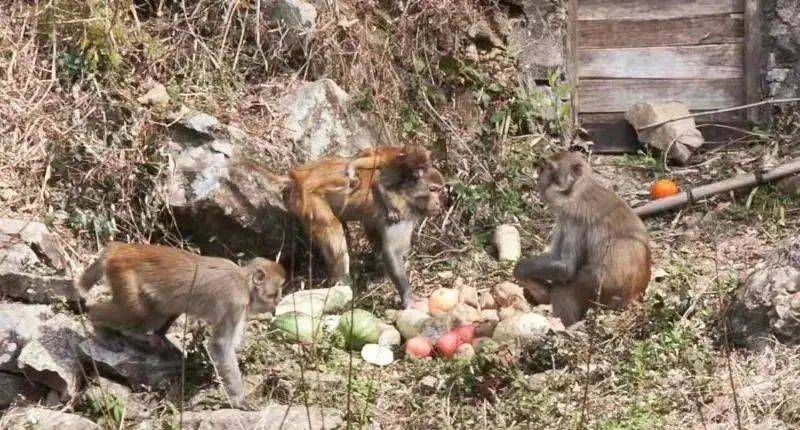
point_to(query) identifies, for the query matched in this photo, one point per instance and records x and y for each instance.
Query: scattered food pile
(450, 323)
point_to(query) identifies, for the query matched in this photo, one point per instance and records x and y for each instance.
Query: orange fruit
(663, 188)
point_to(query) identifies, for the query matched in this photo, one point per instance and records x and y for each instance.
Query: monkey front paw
(244, 405)
(393, 216)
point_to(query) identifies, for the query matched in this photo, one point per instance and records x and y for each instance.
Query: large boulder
(36, 288)
(299, 19)
(50, 357)
(217, 191)
(18, 325)
(270, 417)
(15, 387)
(138, 368)
(320, 119)
(44, 419)
(767, 306)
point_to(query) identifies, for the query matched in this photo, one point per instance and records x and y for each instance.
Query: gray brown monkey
(152, 285)
(599, 252)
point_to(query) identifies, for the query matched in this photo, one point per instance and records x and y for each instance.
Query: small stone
(506, 293)
(507, 241)
(45, 419)
(157, 96)
(525, 327)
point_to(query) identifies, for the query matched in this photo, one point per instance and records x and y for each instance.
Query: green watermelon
(364, 328)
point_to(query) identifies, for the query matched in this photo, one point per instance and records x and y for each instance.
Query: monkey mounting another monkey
(321, 197)
(151, 286)
(395, 165)
(599, 251)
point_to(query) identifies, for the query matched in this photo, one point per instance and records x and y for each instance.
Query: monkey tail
(93, 273)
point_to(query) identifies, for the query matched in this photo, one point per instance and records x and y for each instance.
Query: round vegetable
(465, 333)
(419, 347)
(447, 344)
(299, 326)
(663, 188)
(442, 300)
(360, 328)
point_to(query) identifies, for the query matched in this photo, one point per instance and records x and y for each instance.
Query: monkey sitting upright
(152, 285)
(599, 252)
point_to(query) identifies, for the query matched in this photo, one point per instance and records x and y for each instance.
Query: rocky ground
(168, 122)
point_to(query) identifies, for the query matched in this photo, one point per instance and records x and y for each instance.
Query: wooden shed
(703, 53)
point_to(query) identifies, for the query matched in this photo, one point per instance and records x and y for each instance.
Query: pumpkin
(663, 188)
(359, 327)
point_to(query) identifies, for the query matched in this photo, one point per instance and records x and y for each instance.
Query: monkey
(395, 165)
(152, 285)
(328, 203)
(599, 252)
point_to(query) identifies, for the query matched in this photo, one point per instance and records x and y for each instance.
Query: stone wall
(781, 48)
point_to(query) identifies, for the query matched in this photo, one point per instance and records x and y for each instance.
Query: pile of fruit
(451, 323)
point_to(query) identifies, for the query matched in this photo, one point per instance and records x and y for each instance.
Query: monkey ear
(259, 276)
(577, 170)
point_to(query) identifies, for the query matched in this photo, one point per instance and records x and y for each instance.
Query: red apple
(465, 333)
(447, 344)
(419, 347)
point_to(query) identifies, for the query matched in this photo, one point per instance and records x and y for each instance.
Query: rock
(539, 39)
(507, 294)
(320, 119)
(50, 357)
(389, 336)
(523, 327)
(271, 417)
(215, 189)
(18, 325)
(45, 419)
(38, 237)
(507, 241)
(316, 302)
(156, 96)
(411, 322)
(34, 288)
(15, 255)
(468, 296)
(486, 301)
(299, 17)
(681, 138)
(486, 328)
(17, 387)
(463, 313)
(138, 368)
(790, 186)
(768, 305)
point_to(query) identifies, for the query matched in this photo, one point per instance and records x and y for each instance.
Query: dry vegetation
(79, 152)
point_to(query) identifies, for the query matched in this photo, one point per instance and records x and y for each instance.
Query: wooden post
(753, 58)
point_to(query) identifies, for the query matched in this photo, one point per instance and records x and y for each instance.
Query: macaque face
(427, 193)
(268, 279)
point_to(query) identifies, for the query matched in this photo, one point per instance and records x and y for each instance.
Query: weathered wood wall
(691, 51)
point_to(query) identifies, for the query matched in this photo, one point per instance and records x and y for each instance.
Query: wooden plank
(705, 30)
(677, 62)
(753, 58)
(572, 58)
(617, 95)
(655, 9)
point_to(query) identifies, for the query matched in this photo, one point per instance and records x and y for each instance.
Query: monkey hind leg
(327, 233)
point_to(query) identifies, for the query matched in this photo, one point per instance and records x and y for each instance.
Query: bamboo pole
(694, 195)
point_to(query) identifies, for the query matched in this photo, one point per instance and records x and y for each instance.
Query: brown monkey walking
(319, 198)
(599, 251)
(152, 285)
